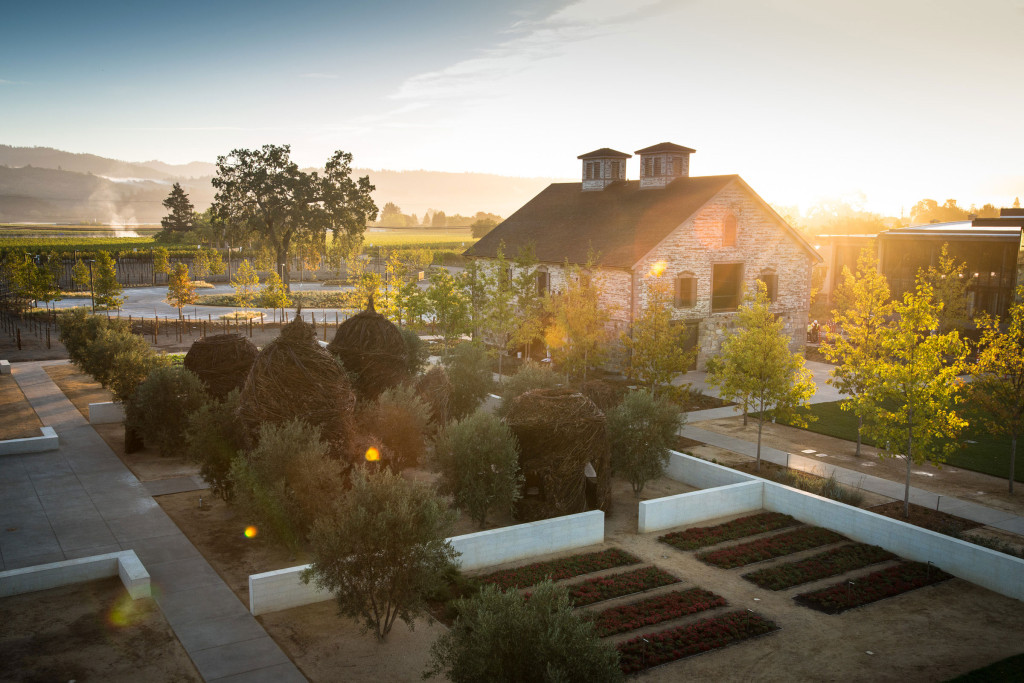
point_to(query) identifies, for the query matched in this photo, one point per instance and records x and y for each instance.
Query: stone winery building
(711, 236)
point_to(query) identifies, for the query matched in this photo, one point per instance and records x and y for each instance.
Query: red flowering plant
(556, 570)
(703, 536)
(617, 585)
(652, 649)
(829, 563)
(786, 543)
(655, 610)
(875, 586)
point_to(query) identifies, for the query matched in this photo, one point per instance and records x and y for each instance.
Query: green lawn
(989, 454)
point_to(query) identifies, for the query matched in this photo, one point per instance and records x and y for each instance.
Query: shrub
(499, 636)
(213, 438)
(382, 549)
(417, 351)
(829, 488)
(479, 460)
(399, 419)
(469, 371)
(283, 483)
(79, 328)
(160, 407)
(530, 376)
(641, 430)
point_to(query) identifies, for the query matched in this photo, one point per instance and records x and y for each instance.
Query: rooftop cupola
(662, 163)
(602, 167)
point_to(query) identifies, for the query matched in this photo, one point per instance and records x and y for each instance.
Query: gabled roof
(604, 152)
(621, 223)
(664, 147)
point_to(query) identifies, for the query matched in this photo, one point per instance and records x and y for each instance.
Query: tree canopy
(179, 219)
(265, 193)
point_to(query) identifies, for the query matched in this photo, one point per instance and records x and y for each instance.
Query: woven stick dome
(559, 431)
(221, 361)
(293, 377)
(372, 348)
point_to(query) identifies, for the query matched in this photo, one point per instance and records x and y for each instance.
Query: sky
(878, 103)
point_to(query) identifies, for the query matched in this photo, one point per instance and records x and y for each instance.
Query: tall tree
(181, 291)
(274, 295)
(756, 367)
(498, 319)
(577, 334)
(245, 281)
(107, 290)
(266, 192)
(44, 285)
(179, 219)
(997, 378)
(200, 264)
(449, 306)
(161, 262)
(655, 344)
(529, 301)
(949, 285)
(911, 398)
(382, 549)
(641, 430)
(80, 275)
(863, 312)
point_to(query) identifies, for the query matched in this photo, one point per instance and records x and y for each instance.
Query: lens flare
(123, 613)
(372, 454)
(658, 268)
(251, 531)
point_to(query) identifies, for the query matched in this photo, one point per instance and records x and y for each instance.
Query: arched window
(686, 290)
(543, 281)
(771, 283)
(729, 230)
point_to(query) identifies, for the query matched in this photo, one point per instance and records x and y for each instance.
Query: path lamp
(92, 288)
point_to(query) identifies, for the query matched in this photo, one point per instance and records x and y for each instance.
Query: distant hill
(43, 184)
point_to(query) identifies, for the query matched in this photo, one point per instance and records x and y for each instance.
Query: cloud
(531, 42)
(319, 76)
(4, 81)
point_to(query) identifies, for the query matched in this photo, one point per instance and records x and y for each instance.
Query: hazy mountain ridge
(49, 185)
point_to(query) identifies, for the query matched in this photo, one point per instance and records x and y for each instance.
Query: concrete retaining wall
(106, 413)
(5, 367)
(696, 506)
(996, 571)
(702, 474)
(282, 589)
(124, 564)
(34, 444)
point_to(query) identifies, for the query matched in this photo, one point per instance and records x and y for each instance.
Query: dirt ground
(17, 419)
(948, 481)
(88, 632)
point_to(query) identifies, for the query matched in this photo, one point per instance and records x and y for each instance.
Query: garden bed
(926, 518)
(654, 649)
(17, 418)
(619, 585)
(873, 587)
(829, 563)
(655, 610)
(556, 570)
(704, 536)
(786, 543)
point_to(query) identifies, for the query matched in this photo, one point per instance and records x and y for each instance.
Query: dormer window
(593, 170)
(663, 163)
(616, 170)
(657, 165)
(602, 167)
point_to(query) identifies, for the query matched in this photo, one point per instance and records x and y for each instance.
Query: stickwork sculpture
(222, 362)
(372, 349)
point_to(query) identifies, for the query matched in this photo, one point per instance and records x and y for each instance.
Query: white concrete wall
(34, 444)
(106, 413)
(283, 589)
(996, 571)
(45, 576)
(5, 367)
(701, 473)
(697, 506)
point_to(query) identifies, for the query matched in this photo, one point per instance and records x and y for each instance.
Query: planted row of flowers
(879, 585)
(829, 563)
(556, 570)
(786, 543)
(703, 536)
(653, 649)
(655, 610)
(617, 585)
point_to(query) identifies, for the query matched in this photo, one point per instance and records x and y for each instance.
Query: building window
(670, 167)
(771, 283)
(616, 169)
(593, 170)
(648, 167)
(686, 291)
(657, 166)
(726, 286)
(729, 230)
(543, 282)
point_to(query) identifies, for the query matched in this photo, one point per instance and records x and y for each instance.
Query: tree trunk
(281, 253)
(1013, 458)
(744, 412)
(760, 426)
(910, 459)
(860, 424)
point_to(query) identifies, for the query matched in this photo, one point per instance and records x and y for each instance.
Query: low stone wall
(701, 473)
(696, 506)
(106, 413)
(124, 564)
(33, 444)
(283, 589)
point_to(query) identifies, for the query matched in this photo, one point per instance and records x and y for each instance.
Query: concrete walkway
(998, 519)
(81, 500)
